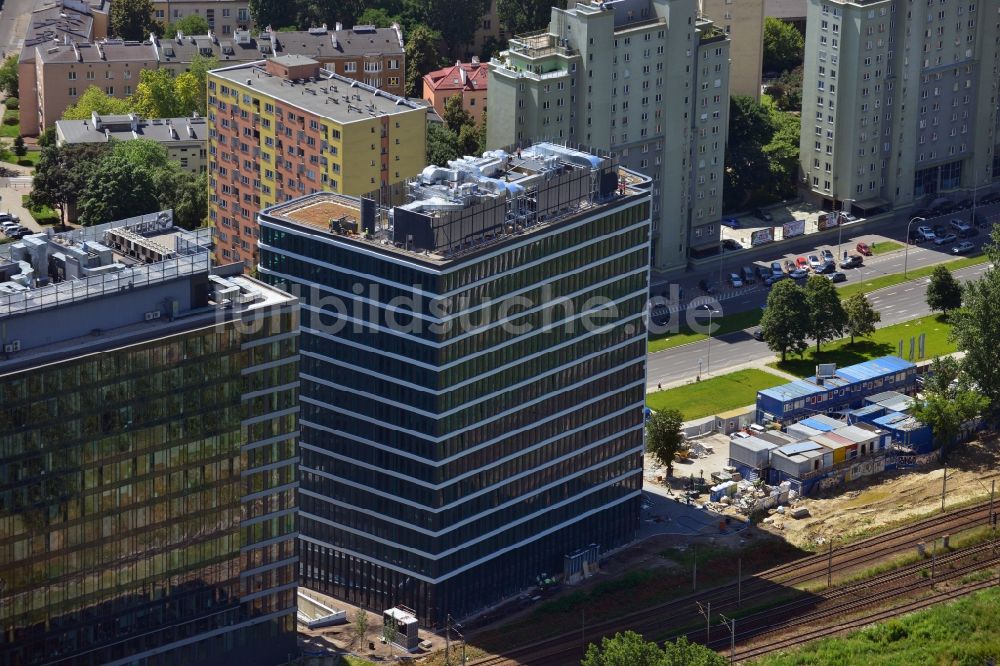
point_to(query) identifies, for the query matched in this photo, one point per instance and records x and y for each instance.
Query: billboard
(762, 236)
(793, 228)
(829, 221)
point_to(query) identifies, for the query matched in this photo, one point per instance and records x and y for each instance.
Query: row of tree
(96, 183)
(458, 136)
(631, 649)
(793, 314)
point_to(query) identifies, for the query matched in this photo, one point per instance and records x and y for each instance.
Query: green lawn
(720, 325)
(884, 342)
(30, 158)
(883, 281)
(885, 246)
(11, 125)
(966, 631)
(716, 395)
(42, 214)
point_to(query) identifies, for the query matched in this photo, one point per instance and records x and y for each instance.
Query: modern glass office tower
(473, 375)
(148, 417)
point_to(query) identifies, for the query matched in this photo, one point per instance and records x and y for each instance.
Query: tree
(378, 17)
(469, 140)
(94, 99)
(751, 127)
(457, 28)
(442, 144)
(185, 193)
(192, 24)
(154, 95)
(62, 174)
(787, 90)
(455, 115)
(782, 152)
(519, 16)
(631, 649)
(132, 19)
(360, 628)
(942, 376)
(946, 412)
(976, 327)
(683, 653)
(861, 316)
(390, 633)
(944, 293)
(47, 137)
(785, 322)
(116, 190)
(421, 57)
(827, 318)
(628, 649)
(19, 148)
(664, 437)
(272, 13)
(784, 47)
(8, 76)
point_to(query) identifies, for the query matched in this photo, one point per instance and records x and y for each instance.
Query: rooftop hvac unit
(11, 347)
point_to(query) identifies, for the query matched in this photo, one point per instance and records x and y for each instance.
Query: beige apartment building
(899, 102)
(743, 21)
(224, 17)
(645, 79)
(185, 139)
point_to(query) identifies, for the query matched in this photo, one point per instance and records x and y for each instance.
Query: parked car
(802, 262)
(9, 217)
(836, 277)
(947, 238)
(962, 204)
(8, 224)
(705, 286)
(926, 233)
(847, 218)
(864, 249)
(827, 256)
(729, 244)
(732, 223)
(852, 261)
(827, 268)
(775, 278)
(789, 265)
(735, 280)
(940, 230)
(776, 268)
(963, 247)
(763, 272)
(757, 334)
(798, 274)
(923, 212)
(980, 221)
(762, 214)
(960, 227)
(815, 262)
(17, 232)
(747, 274)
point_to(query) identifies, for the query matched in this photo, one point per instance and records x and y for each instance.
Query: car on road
(852, 261)
(735, 280)
(802, 262)
(925, 233)
(730, 245)
(963, 247)
(757, 334)
(776, 268)
(762, 214)
(815, 262)
(798, 274)
(732, 223)
(836, 277)
(947, 238)
(827, 256)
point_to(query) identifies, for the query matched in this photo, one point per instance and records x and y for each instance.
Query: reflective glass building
(148, 449)
(473, 375)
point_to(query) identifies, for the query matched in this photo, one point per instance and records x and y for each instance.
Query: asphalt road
(896, 304)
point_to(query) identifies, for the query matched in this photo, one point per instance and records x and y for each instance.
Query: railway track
(567, 648)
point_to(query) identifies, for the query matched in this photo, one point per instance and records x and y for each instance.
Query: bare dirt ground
(868, 507)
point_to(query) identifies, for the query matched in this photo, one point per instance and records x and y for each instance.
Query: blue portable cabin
(907, 432)
(866, 414)
(845, 389)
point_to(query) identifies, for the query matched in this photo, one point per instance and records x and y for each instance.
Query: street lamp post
(840, 225)
(906, 252)
(708, 354)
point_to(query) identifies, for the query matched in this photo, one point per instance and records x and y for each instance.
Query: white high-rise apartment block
(646, 79)
(899, 100)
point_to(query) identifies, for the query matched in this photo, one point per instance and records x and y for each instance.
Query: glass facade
(148, 497)
(465, 426)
